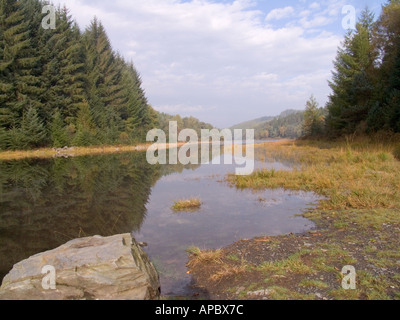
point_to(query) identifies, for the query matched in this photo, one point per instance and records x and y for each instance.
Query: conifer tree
(104, 77)
(18, 82)
(386, 112)
(33, 133)
(86, 132)
(313, 118)
(353, 83)
(63, 71)
(58, 132)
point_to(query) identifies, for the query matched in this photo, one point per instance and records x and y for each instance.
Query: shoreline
(48, 153)
(69, 152)
(357, 225)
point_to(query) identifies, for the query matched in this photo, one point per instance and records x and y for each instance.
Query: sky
(225, 61)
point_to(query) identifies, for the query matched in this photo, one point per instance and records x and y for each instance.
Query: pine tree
(136, 114)
(4, 139)
(386, 112)
(314, 120)
(32, 130)
(63, 72)
(58, 132)
(104, 78)
(86, 132)
(353, 80)
(18, 62)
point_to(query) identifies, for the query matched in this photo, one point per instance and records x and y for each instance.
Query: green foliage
(33, 133)
(3, 139)
(183, 123)
(78, 86)
(252, 123)
(18, 80)
(86, 132)
(366, 81)
(59, 135)
(353, 79)
(288, 125)
(314, 120)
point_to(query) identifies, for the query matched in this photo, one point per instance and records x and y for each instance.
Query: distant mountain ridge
(252, 123)
(289, 124)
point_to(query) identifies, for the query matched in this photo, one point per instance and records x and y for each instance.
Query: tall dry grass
(351, 174)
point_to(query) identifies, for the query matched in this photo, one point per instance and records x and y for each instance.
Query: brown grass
(187, 205)
(46, 153)
(357, 176)
(359, 220)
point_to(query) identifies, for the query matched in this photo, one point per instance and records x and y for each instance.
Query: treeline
(366, 81)
(183, 123)
(288, 125)
(63, 86)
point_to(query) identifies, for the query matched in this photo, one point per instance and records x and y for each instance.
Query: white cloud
(281, 13)
(218, 55)
(315, 6)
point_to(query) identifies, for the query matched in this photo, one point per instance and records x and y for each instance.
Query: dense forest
(365, 86)
(183, 123)
(63, 87)
(288, 124)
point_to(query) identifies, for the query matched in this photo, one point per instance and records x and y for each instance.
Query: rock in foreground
(94, 268)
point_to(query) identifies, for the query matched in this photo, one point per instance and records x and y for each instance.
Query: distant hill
(252, 123)
(289, 124)
(287, 113)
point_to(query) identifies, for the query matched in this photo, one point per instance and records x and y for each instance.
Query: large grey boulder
(95, 268)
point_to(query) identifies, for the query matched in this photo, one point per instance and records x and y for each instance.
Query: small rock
(259, 293)
(143, 244)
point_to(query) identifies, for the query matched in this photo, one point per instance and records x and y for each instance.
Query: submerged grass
(191, 204)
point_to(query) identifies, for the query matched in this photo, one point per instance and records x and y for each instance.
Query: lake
(45, 203)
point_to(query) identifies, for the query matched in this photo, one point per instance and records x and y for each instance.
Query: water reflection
(227, 215)
(45, 203)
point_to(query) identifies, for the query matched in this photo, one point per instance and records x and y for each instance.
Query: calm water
(44, 204)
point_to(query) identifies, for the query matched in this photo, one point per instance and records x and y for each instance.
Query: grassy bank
(47, 153)
(358, 224)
